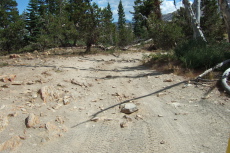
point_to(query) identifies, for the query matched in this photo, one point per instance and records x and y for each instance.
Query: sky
(166, 7)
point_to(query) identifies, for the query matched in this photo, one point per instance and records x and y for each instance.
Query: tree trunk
(196, 28)
(88, 47)
(226, 14)
(196, 8)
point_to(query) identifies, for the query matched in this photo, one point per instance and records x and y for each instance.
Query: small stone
(5, 86)
(13, 114)
(23, 109)
(56, 107)
(51, 127)
(23, 137)
(2, 107)
(128, 108)
(17, 82)
(60, 120)
(168, 80)
(34, 95)
(31, 120)
(160, 115)
(14, 56)
(108, 119)
(187, 85)
(116, 94)
(127, 118)
(66, 100)
(206, 97)
(30, 82)
(109, 76)
(49, 93)
(162, 142)
(123, 124)
(161, 94)
(138, 117)
(95, 119)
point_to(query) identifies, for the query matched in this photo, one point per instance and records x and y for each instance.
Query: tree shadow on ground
(126, 101)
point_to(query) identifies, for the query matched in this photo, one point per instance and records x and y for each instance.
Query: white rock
(128, 108)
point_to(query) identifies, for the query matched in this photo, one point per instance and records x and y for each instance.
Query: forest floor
(73, 107)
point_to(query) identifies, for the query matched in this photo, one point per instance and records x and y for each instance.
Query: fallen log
(212, 69)
(138, 44)
(224, 80)
(225, 76)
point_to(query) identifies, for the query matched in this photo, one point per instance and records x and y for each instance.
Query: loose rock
(168, 80)
(95, 119)
(60, 120)
(123, 124)
(17, 82)
(128, 108)
(31, 120)
(66, 100)
(48, 93)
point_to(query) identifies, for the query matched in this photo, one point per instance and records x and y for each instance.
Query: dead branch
(212, 69)
(138, 44)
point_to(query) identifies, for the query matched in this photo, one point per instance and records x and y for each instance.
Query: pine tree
(122, 38)
(182, 19)
(121, 16)
(108, 28)
(11, 26)
(139, 23)
(33, 21)
(87, 18)
(142, 11)
(211, 22)
(91, 26)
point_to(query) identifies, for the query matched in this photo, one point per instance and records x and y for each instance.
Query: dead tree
(194, 18)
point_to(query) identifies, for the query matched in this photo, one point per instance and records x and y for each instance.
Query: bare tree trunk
(226, 14)
(195, 24)
(196, 8)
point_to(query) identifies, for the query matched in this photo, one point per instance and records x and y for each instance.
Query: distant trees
(124, 30)
(143, 9)
(108, 28)
(53, 23)
(121, 25)
(11, 27)
(211, 21)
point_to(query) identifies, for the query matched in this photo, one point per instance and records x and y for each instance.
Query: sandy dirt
(79, 109)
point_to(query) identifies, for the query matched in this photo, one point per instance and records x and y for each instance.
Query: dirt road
(80, 113)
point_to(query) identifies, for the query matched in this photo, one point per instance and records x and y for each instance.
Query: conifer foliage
(63, 23)
(11, 27)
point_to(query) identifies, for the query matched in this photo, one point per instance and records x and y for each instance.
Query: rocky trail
(107, 104)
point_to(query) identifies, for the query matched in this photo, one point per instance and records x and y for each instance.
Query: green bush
(165, 35)
(158, 57)
(199, 54)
